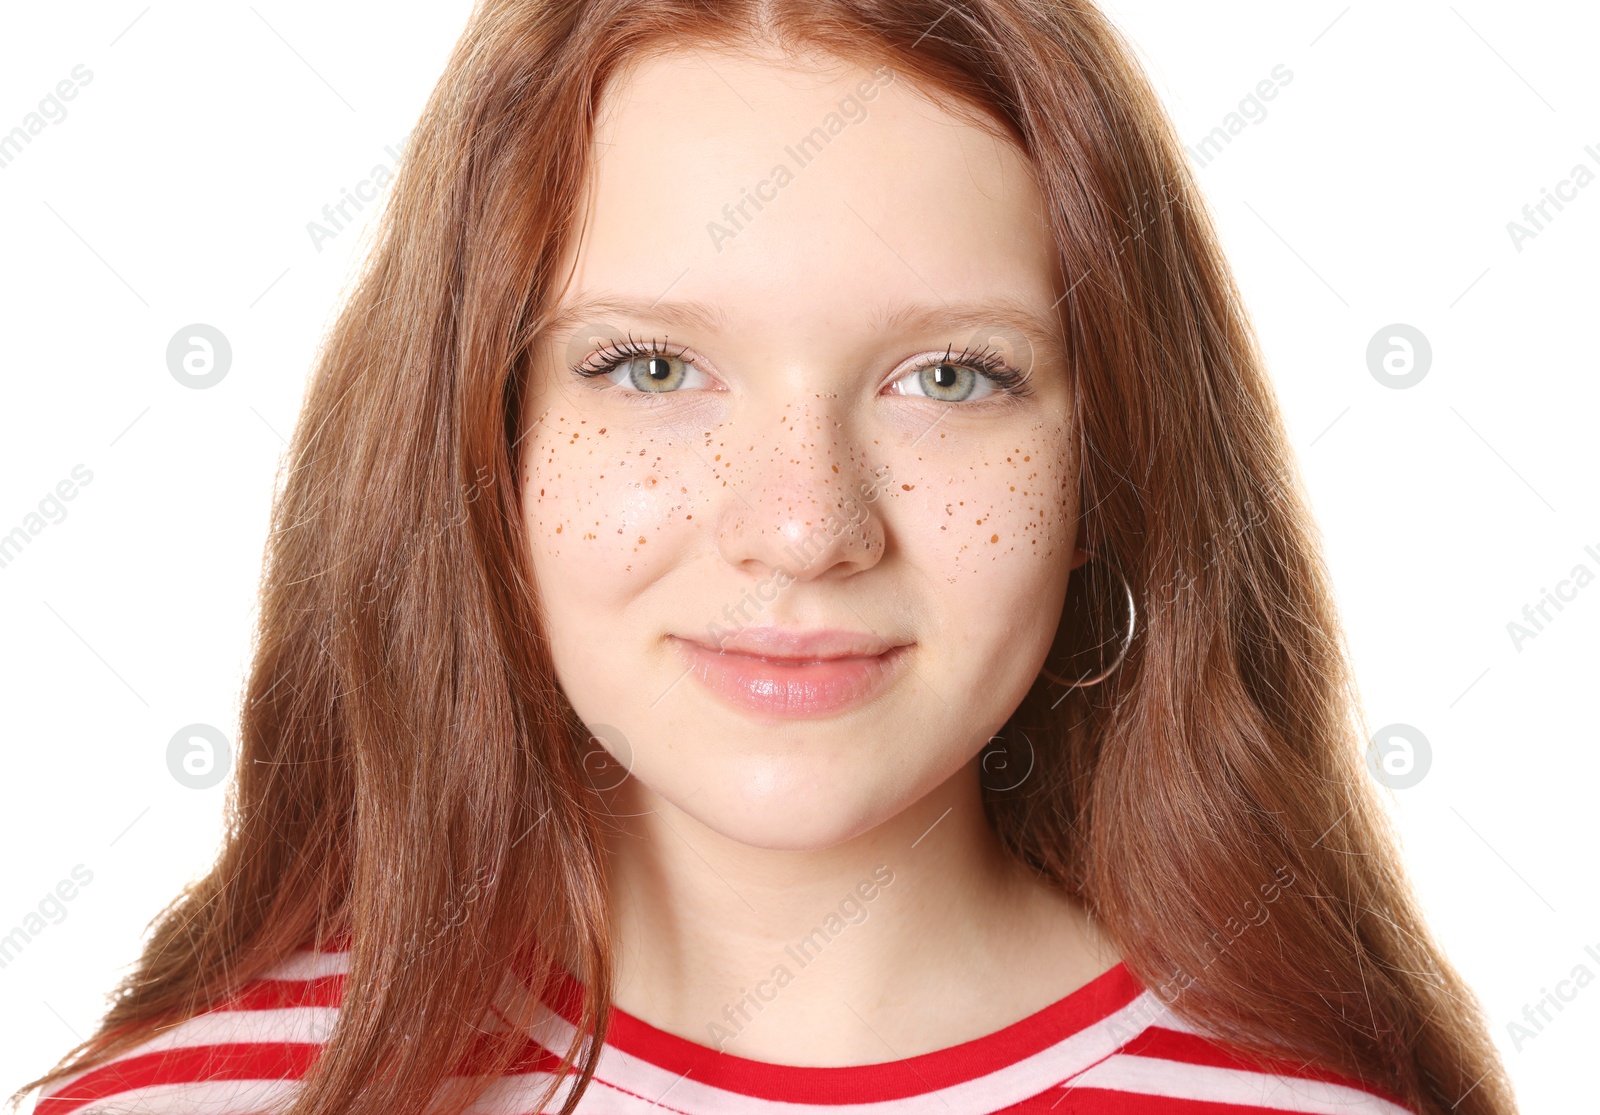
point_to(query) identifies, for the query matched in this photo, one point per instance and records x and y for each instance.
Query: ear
(1079, 556)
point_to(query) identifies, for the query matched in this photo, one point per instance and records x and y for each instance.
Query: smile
(796, 684)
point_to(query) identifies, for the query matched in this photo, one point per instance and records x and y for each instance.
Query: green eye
(962, 377)
(950, 382)
(643, 369)
(956, 383)
(656, 373)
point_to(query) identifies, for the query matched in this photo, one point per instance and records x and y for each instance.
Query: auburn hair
(403, 736)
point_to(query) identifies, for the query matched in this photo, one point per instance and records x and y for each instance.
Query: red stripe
(892, 1080)
(1103, 1101)
(1114, 989)
(1172, 1045)
(272, 1060)
(278, 994)
(530, 1057)
(263, 1060)
(1191, 1049)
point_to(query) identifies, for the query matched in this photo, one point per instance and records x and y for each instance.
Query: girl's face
(829, 434)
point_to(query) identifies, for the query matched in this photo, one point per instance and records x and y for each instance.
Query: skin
(949, 525)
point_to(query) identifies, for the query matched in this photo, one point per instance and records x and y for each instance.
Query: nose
(801, 497)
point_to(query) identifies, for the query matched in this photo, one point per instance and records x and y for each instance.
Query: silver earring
(1087, 611)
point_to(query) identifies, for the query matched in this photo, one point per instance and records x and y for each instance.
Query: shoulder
(237, 1056)
(1162, 1064)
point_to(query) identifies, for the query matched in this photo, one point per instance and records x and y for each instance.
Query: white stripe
(628, 1085)
(1007, 1085)
(1153, 1076)
(510, 1095)
(215, 1027)
(218, 1097)
(513, 1095)
(1166, 1020)
(292, 1024)
(307, 965)
(228, 1027)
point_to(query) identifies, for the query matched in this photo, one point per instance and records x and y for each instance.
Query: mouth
(794, 674)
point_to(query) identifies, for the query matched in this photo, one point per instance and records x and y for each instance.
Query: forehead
(781, 187)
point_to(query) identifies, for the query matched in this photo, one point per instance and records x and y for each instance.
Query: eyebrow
(701, 315)
(1040, 329)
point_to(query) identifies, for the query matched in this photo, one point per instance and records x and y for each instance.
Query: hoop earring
(1089, 611)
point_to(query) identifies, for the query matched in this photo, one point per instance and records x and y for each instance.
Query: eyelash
(1007, 380)
(614, 354)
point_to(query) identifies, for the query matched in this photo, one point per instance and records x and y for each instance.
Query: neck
(917, 934)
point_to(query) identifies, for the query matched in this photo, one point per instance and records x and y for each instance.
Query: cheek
(990, 532)
(997, 518)
(605, 508)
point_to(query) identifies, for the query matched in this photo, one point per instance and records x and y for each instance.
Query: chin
(793, 814)
(790, 831)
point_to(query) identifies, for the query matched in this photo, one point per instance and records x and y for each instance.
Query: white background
(1376, 191)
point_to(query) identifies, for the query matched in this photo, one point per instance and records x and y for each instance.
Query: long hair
(404, 742)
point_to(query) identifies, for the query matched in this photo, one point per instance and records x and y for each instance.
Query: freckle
(907, 487)
(641, 540)
(558, 528)
(602, 429)
(1025, 458)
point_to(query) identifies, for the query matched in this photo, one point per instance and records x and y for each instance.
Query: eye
(643, 368)
(962, 377)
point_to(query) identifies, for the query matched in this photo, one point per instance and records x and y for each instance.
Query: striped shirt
(1111, 1046)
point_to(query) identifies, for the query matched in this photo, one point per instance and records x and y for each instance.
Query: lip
(793, 673)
